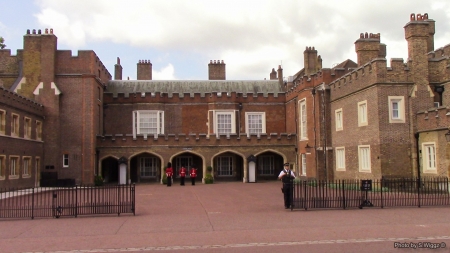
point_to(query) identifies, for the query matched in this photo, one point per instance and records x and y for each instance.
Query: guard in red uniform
(193, 174)
(169, 174)
(182, 175)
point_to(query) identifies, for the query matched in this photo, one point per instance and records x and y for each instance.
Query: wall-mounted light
(240, 106)
(447, 135)
(308, 148)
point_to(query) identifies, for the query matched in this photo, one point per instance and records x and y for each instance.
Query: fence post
(418, 191)
(118, 199)
(133, 192)
(32, 204)
(76, 201)
(304, 199)
(381, 190)
(342, 185)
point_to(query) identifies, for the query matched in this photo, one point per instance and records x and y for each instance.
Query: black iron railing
(70, 201)
(381, 193)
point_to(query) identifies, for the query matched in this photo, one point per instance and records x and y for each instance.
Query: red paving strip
(223, 215)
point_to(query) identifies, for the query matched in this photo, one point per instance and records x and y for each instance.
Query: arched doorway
(110, 170)
(268, 165)
(145, 168)
(228, 166)
(187, 159)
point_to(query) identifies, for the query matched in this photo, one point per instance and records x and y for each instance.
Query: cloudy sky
(180, 37)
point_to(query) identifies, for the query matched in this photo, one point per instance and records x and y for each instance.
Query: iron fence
(312, 194)
(68, 201)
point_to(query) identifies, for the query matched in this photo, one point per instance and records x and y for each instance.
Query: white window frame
(362, 113)
(339, 116)
(26, 128)
(266, 165)
(232, 114)
(2, 167)
(364, 160)
(400, 102)
(303, 119)
(340, 158)
(14, 167)
(38, 130)
(15, 123)
(159, 115)
(65, 160)
(2, 121)
(248, 128)
(26, 166)
(303, 157)
(429, 157)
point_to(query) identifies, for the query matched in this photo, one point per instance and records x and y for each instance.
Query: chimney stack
(144, 70)
(118, 70)
(216, 70)
(368, 47)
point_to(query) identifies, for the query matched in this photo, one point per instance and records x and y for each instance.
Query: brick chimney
(216, 70)
(273, 75)
(280, 76)
(368, 47)
(144, 70)
(311, 61)
(118, 70)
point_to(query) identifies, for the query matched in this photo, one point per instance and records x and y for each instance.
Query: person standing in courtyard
(286, 176)
(169, 174)
(182, 175)
(193, 174)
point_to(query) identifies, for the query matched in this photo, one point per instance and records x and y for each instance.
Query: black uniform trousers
(169, 181)
(182, 180)
(193, 180)
(287, 192)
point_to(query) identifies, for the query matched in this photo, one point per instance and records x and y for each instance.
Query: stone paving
(227, 217)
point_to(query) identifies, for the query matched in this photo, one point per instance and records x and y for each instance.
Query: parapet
(194, 139)
(20, 102)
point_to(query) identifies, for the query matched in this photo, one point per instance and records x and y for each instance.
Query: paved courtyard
(231, 217)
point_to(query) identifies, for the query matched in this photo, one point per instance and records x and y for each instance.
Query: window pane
(255, 123)
(224, 123)
(224, 166)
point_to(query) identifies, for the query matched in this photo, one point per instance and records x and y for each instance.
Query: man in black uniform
(287, 176)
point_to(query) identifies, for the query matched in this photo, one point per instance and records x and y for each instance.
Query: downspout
(313, 93)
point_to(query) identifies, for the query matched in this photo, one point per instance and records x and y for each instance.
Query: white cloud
(166, 73)
(252, 37)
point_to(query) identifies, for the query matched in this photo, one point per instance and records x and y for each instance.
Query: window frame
(263, 122)
(2, 167)
(401, 109)
(152, 168)
(339, 119)
(364, 158)
(263, 164)
(159, 115)
(303, 119)
(426, 157)
(340, 159)
(15, 124)
(65, 160)
(38, 130)
(232, 114)
(303, 159)
(14, 161)
(221, 171)
(2, 122)
(26, 166)
(363, 119)
(26, 127)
